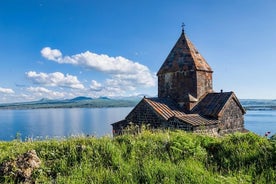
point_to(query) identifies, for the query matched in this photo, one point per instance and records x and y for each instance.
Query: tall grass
(160, 157)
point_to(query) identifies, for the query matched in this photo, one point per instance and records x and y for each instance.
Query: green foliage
(273, 137)
(242, 151)
(150, 157)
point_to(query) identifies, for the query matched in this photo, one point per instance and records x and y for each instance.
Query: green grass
(160, 157)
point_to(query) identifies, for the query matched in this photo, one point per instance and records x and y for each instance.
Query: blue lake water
(261, 122)
(43, 123)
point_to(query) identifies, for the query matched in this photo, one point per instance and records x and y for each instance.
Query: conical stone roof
(184, 56)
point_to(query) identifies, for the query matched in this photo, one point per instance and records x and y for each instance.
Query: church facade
(186, 99)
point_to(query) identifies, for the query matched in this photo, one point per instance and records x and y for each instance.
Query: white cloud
(45, 93)
(38, 89)
(6, 90)
(95, 86)
(105, 89)
(122, 71)
(112, 87)
(51, 54)
(55, 79)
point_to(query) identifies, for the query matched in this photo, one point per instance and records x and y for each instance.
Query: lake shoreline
(36, 123)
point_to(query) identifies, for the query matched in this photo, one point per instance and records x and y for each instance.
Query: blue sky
(66, 48)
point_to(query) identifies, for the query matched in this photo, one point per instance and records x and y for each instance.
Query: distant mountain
(78, 102)
(44, 100)
(258, 104)
(80, 98)
(133, 98)
(131, 101)
(104, 98)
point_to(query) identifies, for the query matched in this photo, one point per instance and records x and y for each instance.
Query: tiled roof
(164, 107)
(184, 56)
(196, 120)
(212, 104)
(205, 112)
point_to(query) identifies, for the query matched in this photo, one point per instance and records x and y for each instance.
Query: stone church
(186, 99)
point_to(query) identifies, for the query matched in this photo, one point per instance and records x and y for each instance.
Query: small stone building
(186, 99)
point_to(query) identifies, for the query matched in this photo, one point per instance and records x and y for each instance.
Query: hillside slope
(160, 157)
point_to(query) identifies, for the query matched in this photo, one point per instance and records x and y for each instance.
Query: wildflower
(267, 133)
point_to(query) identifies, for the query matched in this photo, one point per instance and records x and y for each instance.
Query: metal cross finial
(183, 25)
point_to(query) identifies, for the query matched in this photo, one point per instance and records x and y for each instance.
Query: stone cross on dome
(183, 25)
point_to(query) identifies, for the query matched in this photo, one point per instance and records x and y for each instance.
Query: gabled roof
(184, 56)
(196, 120)
(206, 112)
(213, 104)
(164, 107)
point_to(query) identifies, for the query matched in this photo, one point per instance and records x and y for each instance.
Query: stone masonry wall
(204, 83)
(180, 125)
(208, 129)
(175, 123)
(177, 85)
(143, 114)
(232, 119)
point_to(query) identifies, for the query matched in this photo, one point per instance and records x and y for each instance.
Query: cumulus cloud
(95, 86)
(97, 89)
(55, 79)
(51, 54)
(6, 90)
(121, 70)
(43, 92)
(38, 89)
(112, 87)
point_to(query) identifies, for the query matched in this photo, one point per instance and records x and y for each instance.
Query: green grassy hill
(160, 157)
